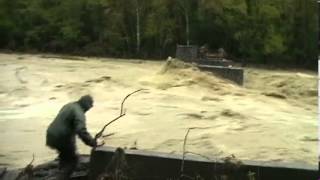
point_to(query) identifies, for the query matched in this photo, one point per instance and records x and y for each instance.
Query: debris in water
(275, 95)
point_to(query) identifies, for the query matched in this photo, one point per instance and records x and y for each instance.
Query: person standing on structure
(61, 134)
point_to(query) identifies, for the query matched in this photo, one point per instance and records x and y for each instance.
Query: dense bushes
(264, 31)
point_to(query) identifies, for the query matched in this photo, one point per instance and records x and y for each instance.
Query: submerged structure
(116, 163)
(215, 63)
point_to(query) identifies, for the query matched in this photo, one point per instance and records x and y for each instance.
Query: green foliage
(274, 44)
(265, 31)
(160, 34)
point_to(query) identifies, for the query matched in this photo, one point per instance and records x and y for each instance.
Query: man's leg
(68, 160)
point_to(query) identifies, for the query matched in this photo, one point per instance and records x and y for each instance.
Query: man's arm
(81, 130)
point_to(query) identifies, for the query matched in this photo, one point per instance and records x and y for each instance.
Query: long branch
(27, 170)
(122, 113)
(99, 134)
(184, 148)
(184, 151)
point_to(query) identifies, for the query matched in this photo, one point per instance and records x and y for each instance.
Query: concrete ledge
(218, 62)
(187, 53)
(231, 73)
(153, 165)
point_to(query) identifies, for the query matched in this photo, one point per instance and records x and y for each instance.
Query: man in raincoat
(61, 133)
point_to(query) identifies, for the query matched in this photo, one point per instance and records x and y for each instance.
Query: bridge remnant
(215, 63)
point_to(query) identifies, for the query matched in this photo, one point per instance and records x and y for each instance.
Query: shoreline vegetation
(79, 57)
(262, 32)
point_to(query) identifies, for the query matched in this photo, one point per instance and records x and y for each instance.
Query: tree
(265, 31)
(187, 7)
(161, 27)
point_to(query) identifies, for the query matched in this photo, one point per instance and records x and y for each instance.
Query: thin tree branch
(184, 148)
(183, 151)
(32, 160)
(122, 113)
(28, 170)
(99, 134)
(107, 135)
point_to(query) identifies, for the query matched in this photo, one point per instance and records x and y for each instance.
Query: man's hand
(100, 142)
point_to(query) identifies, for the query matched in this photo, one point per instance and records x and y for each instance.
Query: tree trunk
(138, 27)
(187, 28)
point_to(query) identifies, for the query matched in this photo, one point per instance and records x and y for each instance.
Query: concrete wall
(220, 62)
(216, 66)
(232, 73)
(152, 165)
(187, 53)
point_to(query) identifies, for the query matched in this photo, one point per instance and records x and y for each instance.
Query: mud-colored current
(273, 117)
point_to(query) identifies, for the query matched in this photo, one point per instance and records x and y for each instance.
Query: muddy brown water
(251, 122)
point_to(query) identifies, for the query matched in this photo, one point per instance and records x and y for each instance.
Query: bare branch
(107, 135)
(184, 147)
(183, 151)
(122, 113)
(99, 134)
(31, 160)
(28, 170)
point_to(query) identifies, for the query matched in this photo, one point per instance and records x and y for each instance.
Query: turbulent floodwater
(272, 118)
